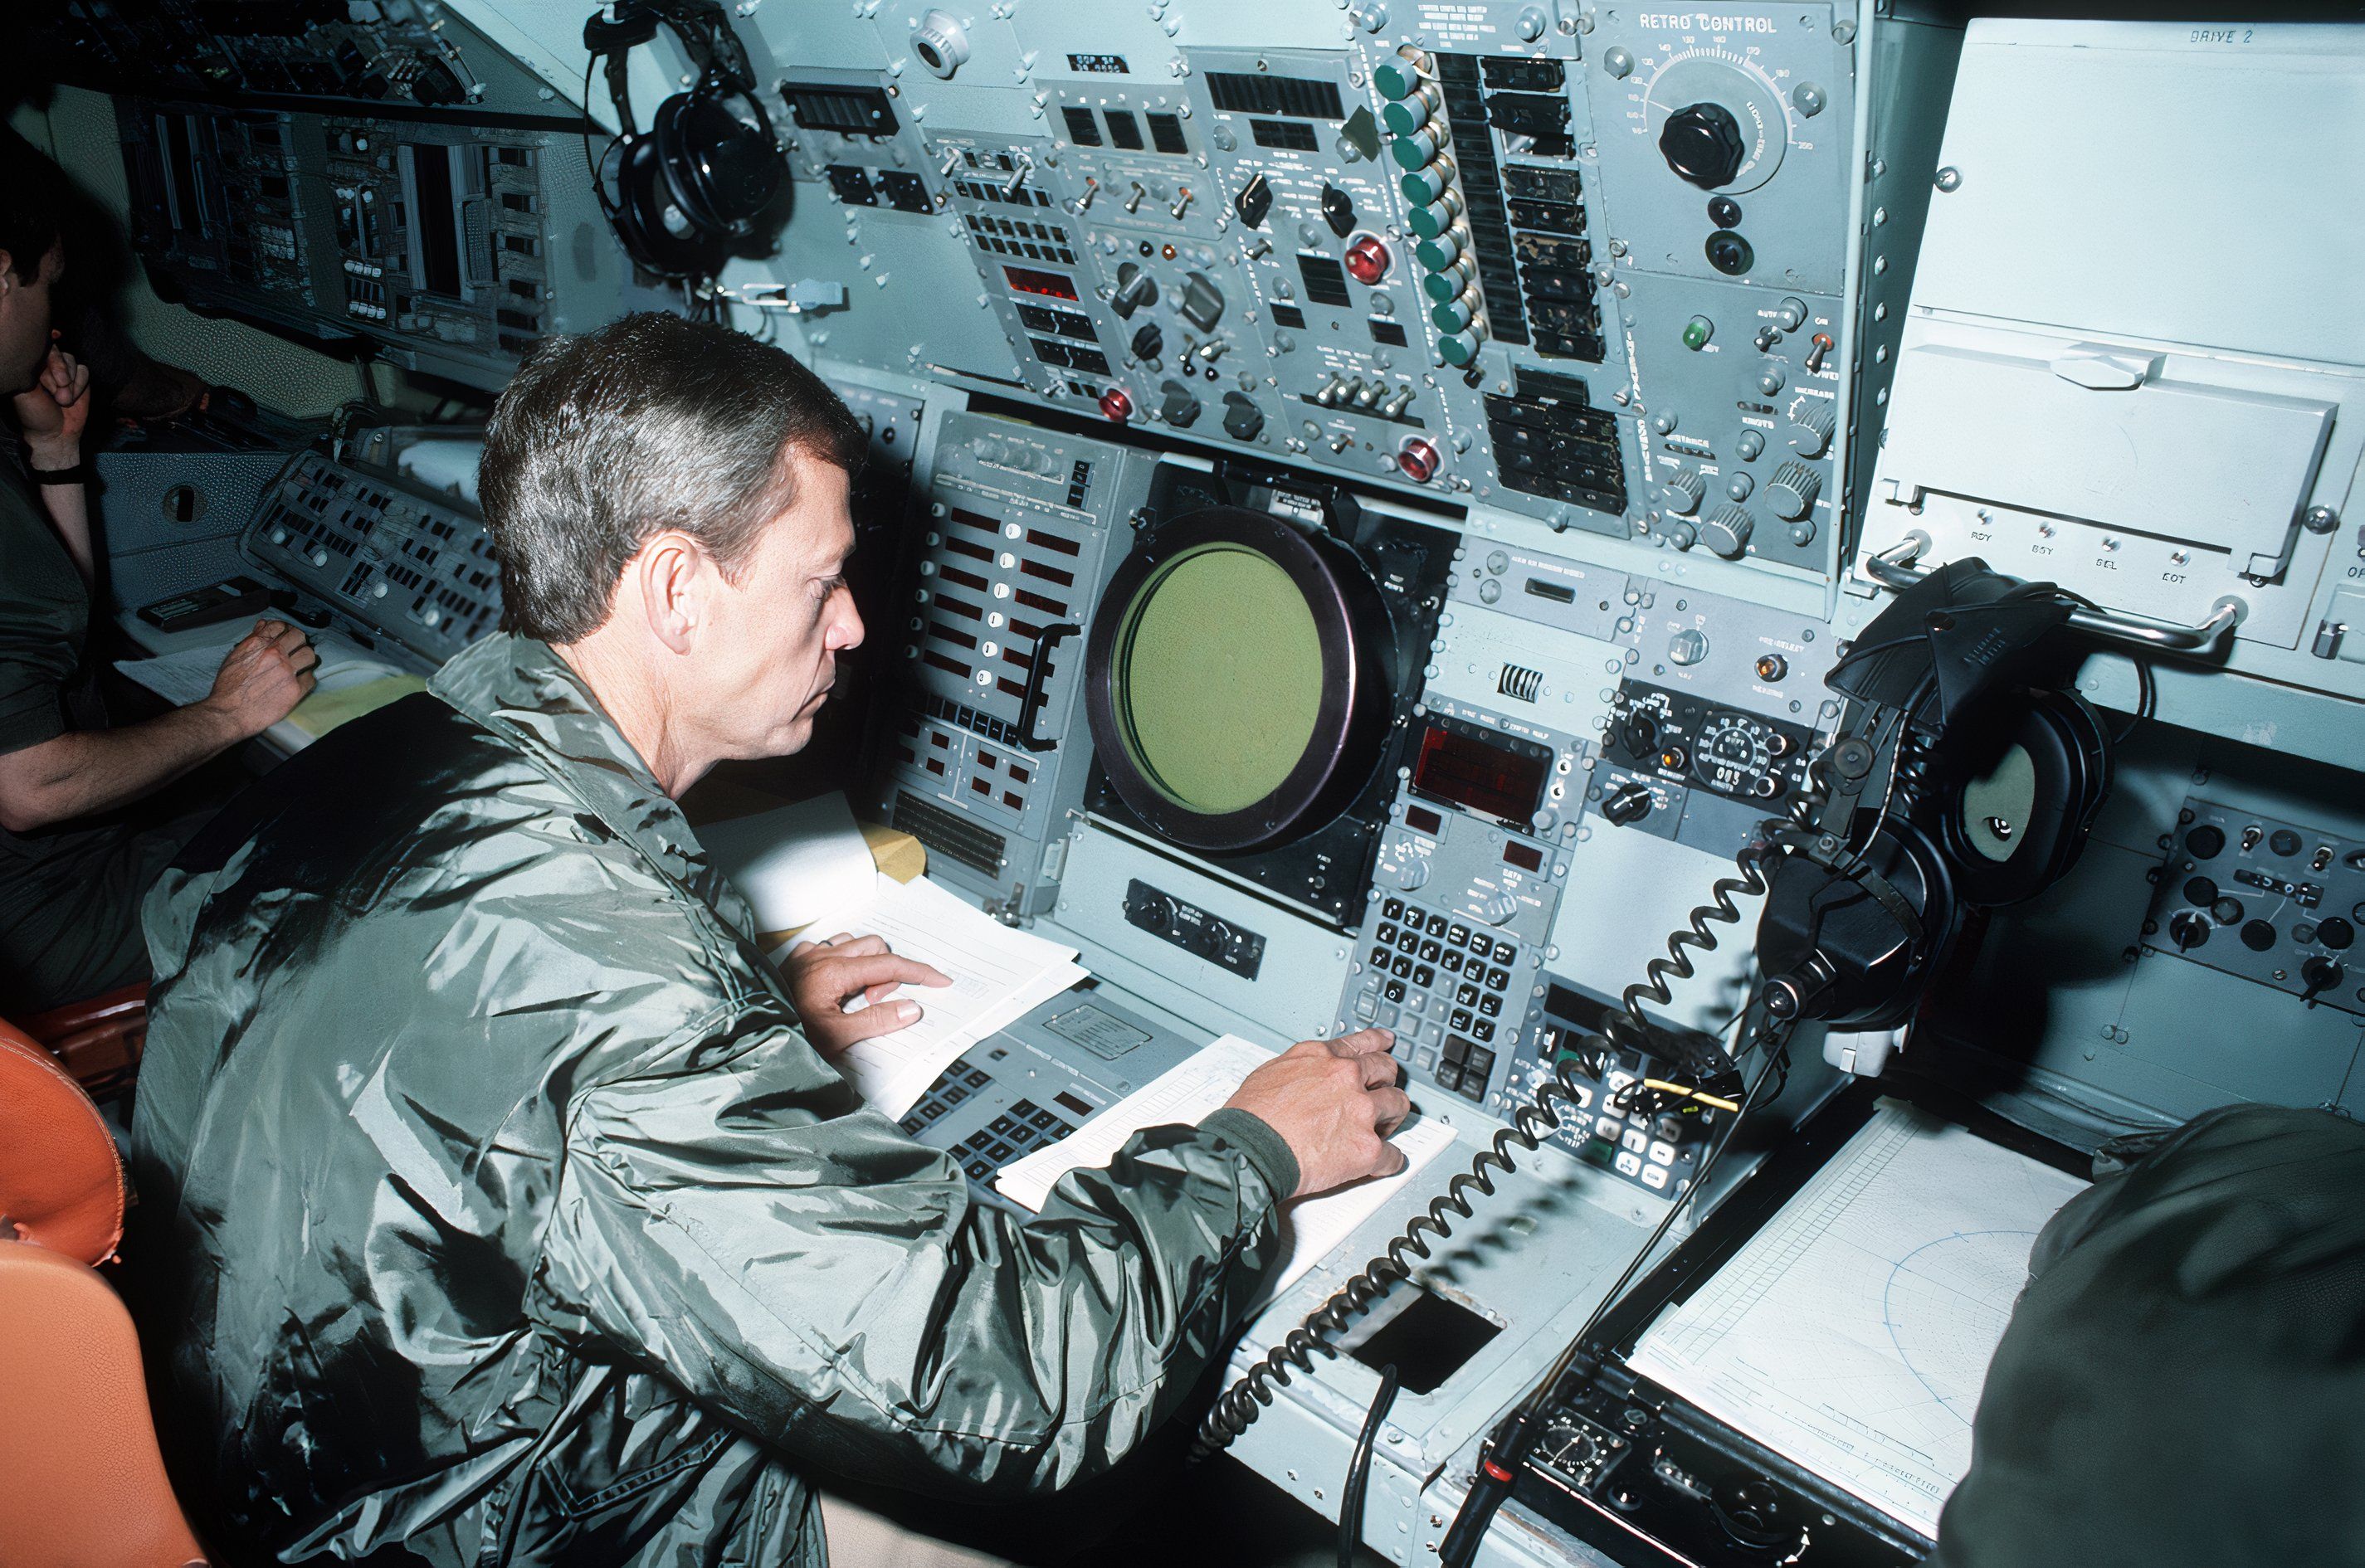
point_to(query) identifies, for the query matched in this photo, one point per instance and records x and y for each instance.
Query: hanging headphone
(683, 193)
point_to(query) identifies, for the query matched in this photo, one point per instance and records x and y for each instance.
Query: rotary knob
(1702, 143)
(1726, 532)
(1810, 427)
(1179, 405)
(1242, 419)
(1412, 876)
(1792, 490)
(1683, 491)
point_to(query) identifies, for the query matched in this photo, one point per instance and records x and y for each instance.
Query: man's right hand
(1334, 1102)
(264, 677)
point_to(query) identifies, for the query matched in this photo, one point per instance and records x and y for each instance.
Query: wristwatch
(77, 475)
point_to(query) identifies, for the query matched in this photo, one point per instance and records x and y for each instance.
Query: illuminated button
(1428, 222)
(1628, 1165)
(1662, 1153)
(1618, 1079)
(1653, 1175)
(1418, 150)
(1442, 252)
(1417, 459)
(1688, 646)
(1425, 185)
(1696, 332)
(1607, 1127)
(1633, 1141)
(1367, 260)
(1116, 403)
(1458, 347)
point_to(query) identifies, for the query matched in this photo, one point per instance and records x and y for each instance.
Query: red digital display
(1526, 856)
(1460, 768)
(1033, 280)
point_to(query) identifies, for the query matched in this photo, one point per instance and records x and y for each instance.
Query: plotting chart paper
(1189, 1093)
(1853, 1332)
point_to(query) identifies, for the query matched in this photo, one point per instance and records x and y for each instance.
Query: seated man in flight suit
(502, 1204)
(76, 851)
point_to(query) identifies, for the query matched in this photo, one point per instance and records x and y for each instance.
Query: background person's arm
(80, 772)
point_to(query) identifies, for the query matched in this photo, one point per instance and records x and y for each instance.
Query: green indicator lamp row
(1444, 286)
(1422, 186)
(1454, 315)
(1408, 115)
(1442, 252)
(1419, 148)
(1458, 347)
(1428, 221)
(1397, 79)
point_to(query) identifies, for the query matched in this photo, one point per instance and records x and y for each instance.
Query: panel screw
(2319, 520)
(1950, 179)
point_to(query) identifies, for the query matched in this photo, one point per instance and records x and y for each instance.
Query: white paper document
(1187, 1093)
(1853, 1331)
(186, 676)
(797, 863)
(999, 974)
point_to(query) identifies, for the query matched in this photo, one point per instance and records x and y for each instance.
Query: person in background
(82, 832)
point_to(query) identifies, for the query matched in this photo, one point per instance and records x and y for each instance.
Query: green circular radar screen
(1218, 679)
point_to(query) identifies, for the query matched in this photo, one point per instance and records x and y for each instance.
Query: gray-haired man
(502, 1210)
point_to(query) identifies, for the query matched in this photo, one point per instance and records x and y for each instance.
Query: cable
(1498, 1465)
(1625, 1028)
(1358, 1468)
(2146, 700)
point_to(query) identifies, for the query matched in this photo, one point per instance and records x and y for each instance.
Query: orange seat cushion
(61, 1180)
(85, 1486)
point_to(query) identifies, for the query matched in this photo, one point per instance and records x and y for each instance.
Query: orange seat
(82, 1484)
(98, 1039)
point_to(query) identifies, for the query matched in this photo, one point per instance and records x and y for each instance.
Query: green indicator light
(1422, 186)
(1404, 116)
(1395, 79)
(1458, 347)
(1442, 286)
(1428, 222)
(1451, 314)
(1696, 332)
(1413, 152)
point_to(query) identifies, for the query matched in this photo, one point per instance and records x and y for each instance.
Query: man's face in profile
(24, 319)
(779, 630)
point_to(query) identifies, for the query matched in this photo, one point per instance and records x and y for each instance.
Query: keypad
(1024, 1127)
(1441, 985)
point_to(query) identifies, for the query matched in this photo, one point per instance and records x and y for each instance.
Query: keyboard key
(1482, 1027)
(1662, 1153)
(1024, 1107)
(1607, 1127)
(934, 1109)
(1461, 1019)
(1381, 955)
(1473, 1085)
(1457, 1050)
(1449, 1075)
(998, 1151)
(1407, 941)
(1367, 1006)
(913, 1123)
(1496, 980)
(1633, 1141)
(1425, 1059)
(978, 1078)
(1627, 1164)
(1042, 1119)
(979, 1170)
(1396, 992)
(1466, 994)
(1451, 960)
(1491, 1005)
(1429, 951)
(1423, 975)
(1459, 936)
(1505, 952)
(956, 1094)
(1403, 966)
(1386, 933)
(1002, 1125)
(1481, 1063)
(1392, 909)
(1654, 1176)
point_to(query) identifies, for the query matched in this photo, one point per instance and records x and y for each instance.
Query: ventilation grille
(1300, 98)
(947, 834)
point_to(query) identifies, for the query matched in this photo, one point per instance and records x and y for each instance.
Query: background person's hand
(53, 413)
(1334, 1102)
(822, 976)
(268, 673)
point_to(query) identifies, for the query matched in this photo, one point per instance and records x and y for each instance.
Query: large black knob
(1703, 144)
(1179, 405)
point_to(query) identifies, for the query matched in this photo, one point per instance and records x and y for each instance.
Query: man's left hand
(53, 412)
(822, 976)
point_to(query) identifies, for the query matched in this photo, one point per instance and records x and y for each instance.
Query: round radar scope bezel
(1354, 637)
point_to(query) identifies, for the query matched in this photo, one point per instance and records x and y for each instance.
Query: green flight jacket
(494, 1210)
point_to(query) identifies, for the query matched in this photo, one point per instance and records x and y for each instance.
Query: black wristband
(77, 475)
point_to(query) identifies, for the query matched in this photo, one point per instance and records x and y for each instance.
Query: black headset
(683, 193)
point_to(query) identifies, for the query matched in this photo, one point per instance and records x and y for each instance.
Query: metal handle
(1031, 705)
(1894, 567)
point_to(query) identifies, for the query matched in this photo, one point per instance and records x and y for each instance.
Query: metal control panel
(988, 755)
(450, 248)
(393, 560)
